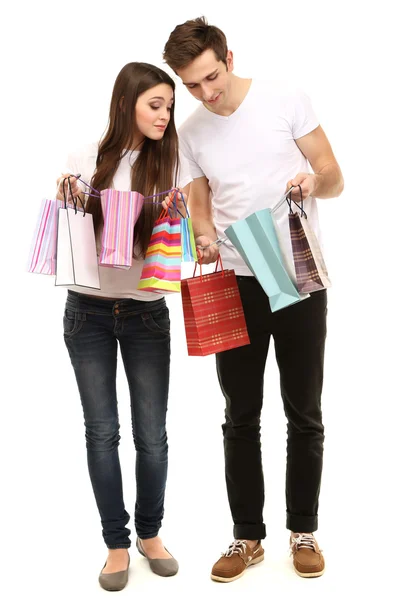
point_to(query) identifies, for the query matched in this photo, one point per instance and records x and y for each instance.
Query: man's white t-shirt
(249, 157)
(114, 282)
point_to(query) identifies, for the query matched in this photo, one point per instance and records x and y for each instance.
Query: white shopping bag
(77, 262)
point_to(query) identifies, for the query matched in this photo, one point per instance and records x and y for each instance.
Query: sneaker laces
(303, 540)
(237, 547)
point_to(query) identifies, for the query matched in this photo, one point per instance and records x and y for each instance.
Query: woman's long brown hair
(155, 169)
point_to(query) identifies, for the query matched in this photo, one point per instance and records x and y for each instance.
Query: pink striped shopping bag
(121, 210)
(42, 256)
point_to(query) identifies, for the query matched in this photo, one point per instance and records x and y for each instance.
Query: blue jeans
(92, 329)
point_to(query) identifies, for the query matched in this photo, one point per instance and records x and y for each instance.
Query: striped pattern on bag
(189, 252)
(42, 256)
(121, 210)
(162, 265)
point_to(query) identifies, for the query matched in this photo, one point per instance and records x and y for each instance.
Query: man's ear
(229, 61)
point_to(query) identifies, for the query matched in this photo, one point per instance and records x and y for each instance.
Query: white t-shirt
(114, 282)
(249, 157)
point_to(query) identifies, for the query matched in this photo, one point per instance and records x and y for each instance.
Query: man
(248, 142)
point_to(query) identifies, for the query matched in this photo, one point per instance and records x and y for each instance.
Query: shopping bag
(188, 243)
(256, 241)
(311, 273)
(189, 253)
(42, 255)
(316, 251)
(120, 210)
(213, 312)
(77, 262)
(162, 265)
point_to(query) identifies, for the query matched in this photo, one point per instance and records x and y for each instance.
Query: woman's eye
(154, 107)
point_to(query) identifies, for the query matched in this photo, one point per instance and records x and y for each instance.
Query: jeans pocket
(72, 324)
(157, 321)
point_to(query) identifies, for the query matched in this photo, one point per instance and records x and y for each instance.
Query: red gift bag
(213, 312)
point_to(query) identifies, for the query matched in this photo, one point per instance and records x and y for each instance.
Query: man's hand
(308, 182)
(208, 255)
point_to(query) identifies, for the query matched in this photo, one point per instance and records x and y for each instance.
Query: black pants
(299, 333)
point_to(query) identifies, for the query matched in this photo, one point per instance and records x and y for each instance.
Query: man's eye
(191, 86)
(212, 78)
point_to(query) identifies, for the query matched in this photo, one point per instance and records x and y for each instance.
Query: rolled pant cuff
(117, 546)
(147, 536)
(249, 532)
(299, 524)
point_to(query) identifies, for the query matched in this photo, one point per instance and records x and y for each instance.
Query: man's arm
(327, 179)
(200, 209)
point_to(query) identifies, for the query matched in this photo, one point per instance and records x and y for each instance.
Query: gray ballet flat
(114, 582)
(165, 567)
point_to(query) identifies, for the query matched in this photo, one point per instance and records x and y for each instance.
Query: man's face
(208, 79)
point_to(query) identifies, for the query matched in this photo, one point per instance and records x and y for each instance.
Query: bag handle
(282, 200)
(185, 205)
(97, 192)
(74, 200)
(300, 206)
(167, 211)
(199, 261)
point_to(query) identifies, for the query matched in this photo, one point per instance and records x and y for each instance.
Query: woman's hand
(74, 186)
(176, 200)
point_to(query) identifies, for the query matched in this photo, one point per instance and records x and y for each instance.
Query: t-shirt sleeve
(185, 149)
(304, 119)
(72, 163)
(72, 166)
(83, 162)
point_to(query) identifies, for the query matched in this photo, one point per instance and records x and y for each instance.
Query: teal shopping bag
(189, 252)
(256, 241)
(188, 243)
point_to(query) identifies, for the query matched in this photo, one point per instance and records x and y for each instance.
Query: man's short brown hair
(192, 38)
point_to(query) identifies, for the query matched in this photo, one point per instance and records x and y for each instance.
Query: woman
(139, 152)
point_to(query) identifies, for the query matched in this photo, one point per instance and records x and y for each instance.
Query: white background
(59, 62)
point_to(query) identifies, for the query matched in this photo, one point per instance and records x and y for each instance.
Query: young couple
(247, 142)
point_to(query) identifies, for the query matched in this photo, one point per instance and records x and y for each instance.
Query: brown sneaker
(235, 561)
(307, 557)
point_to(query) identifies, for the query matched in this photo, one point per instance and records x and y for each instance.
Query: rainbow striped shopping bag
(121, 210)
(162, 265)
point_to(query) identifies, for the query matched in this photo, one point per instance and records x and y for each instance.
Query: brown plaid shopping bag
(213, 312)
(311, 273)
(316, 251)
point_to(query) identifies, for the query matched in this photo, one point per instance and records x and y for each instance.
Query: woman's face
(153, 111)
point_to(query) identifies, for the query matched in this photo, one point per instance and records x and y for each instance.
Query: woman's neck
(137, 143)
